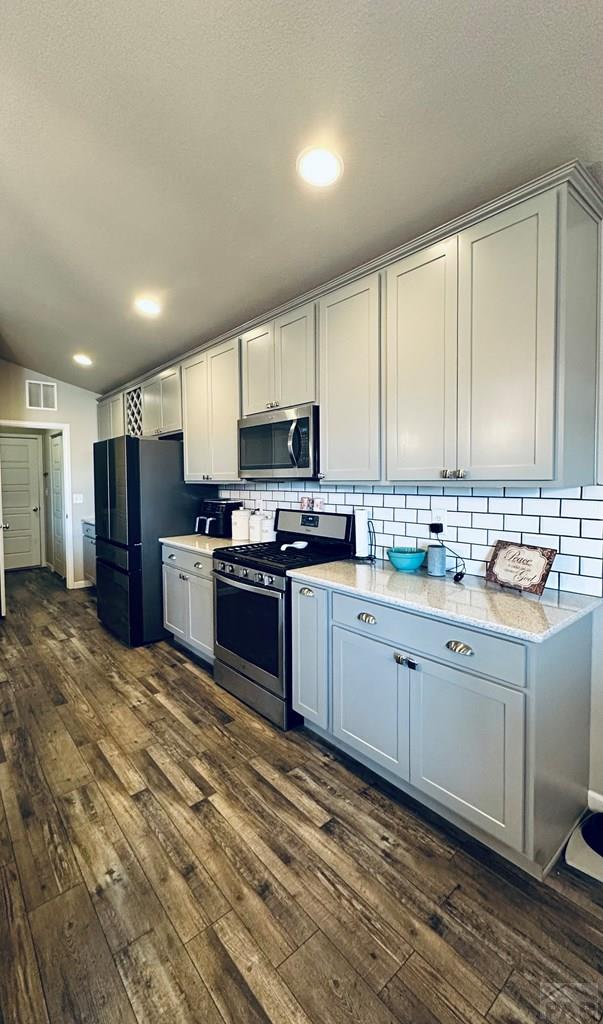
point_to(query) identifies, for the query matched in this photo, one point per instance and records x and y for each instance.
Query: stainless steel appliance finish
(279, 445)
(252, 607)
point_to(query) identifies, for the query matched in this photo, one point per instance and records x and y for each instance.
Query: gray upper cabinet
(111, 419)
(211, 403)
(295, 356)
(162, 403)
(257, 360)
(421, 359)
(309, 653)
(371, 700)
(279, 363)
(349, 381)
(507, 324)
(467, 749)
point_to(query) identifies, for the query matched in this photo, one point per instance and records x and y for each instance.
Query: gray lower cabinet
(310, 653)
(174, 601)
(188, 599)
(371, 700)
(467, 747)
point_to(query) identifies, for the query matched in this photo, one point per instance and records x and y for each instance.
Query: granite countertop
(199, 544)
(473, 603)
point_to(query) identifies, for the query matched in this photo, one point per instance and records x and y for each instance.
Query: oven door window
(281, 445)
(248, 625)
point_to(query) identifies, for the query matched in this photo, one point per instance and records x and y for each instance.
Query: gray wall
(77, 408)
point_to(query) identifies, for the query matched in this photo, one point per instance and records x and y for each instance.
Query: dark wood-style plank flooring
(166, 855)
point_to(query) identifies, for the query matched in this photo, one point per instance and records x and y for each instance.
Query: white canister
(240, 524)
(255, 527)
(268, 533)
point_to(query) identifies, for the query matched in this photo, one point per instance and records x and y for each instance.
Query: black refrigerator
(139, 496)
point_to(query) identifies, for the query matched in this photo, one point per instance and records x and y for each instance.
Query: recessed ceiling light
(147, 305)
(319, 167)
(82, 360)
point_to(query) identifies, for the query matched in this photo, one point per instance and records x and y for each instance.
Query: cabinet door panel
(349, 381)
(104, 420)
(257, 354)
(171, 400)
(371, 700)
(507, 323)
(200, 625)
(224, 410)
(309, 653)
(421, 363)
(195, 390)
(117, 416)
(151, 407)
(89, 545)
(175, 601)
(295, 362)
(467, 748)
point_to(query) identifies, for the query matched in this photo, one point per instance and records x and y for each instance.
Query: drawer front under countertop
(187, 561)
(454, 645)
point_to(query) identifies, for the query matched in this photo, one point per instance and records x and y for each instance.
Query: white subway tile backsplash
(583, 509)
(508, 506)
(541, 506)
(581, 546)
(569, 519)
(473, 504)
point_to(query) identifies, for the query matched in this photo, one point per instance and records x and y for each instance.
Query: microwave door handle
(292, 430)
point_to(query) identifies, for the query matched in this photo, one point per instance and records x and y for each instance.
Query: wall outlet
(438, 515)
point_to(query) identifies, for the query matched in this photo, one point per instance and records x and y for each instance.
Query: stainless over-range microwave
(279, 444)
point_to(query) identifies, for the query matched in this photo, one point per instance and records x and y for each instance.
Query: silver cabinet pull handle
(405, 659)
(444, 473)
(368, 618)
(306, 592)
(458, 647)
(172, 557)
(460, 474)
(198, 565)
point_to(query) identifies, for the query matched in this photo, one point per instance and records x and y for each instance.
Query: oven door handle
(290, 437)
(246, 586)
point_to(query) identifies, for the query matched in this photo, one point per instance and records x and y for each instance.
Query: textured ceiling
(151, 145)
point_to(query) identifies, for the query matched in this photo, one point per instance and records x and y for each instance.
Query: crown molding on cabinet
(574, 174)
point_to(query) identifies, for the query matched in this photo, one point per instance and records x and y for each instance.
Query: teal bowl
(406, 559)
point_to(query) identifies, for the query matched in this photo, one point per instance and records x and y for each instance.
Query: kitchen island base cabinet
(370, 700)
(467, 749)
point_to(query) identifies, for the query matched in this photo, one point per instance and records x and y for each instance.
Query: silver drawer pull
(198, 565)
(458, 647)
(306, 592)
(368, 618)
(171, 557)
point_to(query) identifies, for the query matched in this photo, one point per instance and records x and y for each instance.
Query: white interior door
(2, 582)
(20, 460)
(57, 504)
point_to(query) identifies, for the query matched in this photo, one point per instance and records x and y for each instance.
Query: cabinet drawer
(187, 561)
(492, 656)
(89, 530)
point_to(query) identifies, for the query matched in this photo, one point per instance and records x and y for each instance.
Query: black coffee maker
(215, 519)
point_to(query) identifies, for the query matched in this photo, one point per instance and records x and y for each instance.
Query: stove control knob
(269, 579)
(222, 566)
(245, 573)
(230, 568)
(259, 577)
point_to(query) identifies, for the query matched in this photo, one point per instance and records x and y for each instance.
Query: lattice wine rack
(134, 412)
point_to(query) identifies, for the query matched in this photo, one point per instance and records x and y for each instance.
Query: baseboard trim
(595, 800)
(80, 585)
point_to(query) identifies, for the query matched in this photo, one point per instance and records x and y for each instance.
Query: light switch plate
(78, 499)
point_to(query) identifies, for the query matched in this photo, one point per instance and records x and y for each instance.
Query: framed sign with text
(521, 566)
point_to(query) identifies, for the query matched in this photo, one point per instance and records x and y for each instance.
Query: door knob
(6, 526)
(35, 509)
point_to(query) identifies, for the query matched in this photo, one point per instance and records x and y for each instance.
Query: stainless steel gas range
(252, 606)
